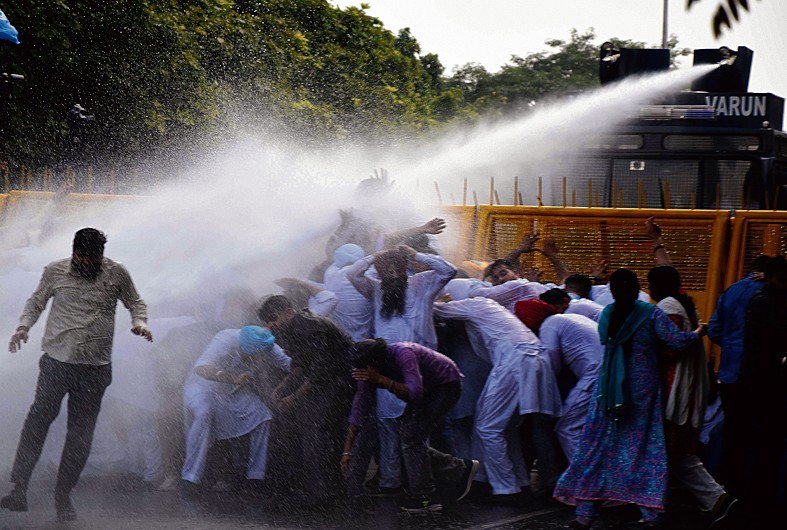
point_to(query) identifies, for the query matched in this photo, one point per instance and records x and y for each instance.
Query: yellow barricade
(695, 239)
(754, 232)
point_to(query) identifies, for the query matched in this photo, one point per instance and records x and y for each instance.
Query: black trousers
(736, 433)
(85, 386)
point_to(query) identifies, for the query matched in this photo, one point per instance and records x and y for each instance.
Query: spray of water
(251, 212)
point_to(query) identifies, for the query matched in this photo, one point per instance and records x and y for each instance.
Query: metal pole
(665, 25)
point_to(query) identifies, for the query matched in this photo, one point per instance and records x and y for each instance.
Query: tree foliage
(568, 66)
(156, 73)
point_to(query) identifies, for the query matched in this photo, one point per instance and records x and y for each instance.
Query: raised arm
(356, 276)
(550, 251)
(445, 271)
(525, 246)
(653, 231)
(434, 226)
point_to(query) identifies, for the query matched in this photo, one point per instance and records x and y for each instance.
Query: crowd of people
(392, 372)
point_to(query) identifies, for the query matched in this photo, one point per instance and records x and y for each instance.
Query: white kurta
(353, 312)
(521, 382)
(602, 295)
(217, 411)
(572, 342)
(509, 293)
(236, 410)
(585, 307)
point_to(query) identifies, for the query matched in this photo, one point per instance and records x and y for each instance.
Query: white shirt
(509, 293)
(586, 308)
(415, 324)
(602, 295)
(518, 359)
(572, 341)
(353, 311)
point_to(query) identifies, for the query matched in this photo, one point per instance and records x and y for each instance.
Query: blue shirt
(726, 325)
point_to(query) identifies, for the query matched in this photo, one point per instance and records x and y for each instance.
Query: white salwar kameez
(521, 382)
(218, 411)
(572, 341)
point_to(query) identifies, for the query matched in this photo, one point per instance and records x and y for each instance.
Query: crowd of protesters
(392, 372)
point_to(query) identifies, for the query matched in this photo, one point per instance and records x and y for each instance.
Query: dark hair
(580, 284)
(759, 263)
(664, 281)
(369, 353)
(554, 296)
(624, 285)
(89, 242)
(273, 306)
(777, 265)
(502, 263)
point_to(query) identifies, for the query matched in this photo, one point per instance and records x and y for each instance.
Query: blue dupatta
(613, 391)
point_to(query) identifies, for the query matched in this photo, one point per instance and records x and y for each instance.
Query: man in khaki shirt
(77, 347)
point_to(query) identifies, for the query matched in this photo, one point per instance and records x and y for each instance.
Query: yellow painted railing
(699, 241)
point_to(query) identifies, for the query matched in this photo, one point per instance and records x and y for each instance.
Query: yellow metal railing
(696, 239)
(754, 232)
(699, 241)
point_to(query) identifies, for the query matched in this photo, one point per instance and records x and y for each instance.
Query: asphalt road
(115, 504)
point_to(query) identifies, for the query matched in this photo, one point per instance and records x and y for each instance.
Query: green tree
(157, 72)
(567, 66)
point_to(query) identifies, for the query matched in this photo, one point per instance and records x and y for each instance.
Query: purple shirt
(418, 367)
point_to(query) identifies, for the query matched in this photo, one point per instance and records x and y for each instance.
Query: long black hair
(664, 281)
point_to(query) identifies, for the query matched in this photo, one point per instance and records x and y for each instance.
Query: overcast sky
(490, 31)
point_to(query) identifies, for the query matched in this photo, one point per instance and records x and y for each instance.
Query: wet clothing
(85, 385)
(353, 312)
(81, 321)
(459, 423)
(520, 382)
(509, 293)
(218, 411)
(434, 382)
(417, 367)
(623, 458)
(584, 307)
(572, 343)
(236, 410)
(414, 324)
(78, 349)
(309, 437)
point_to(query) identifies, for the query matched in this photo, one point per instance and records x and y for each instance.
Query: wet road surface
(114, 504)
